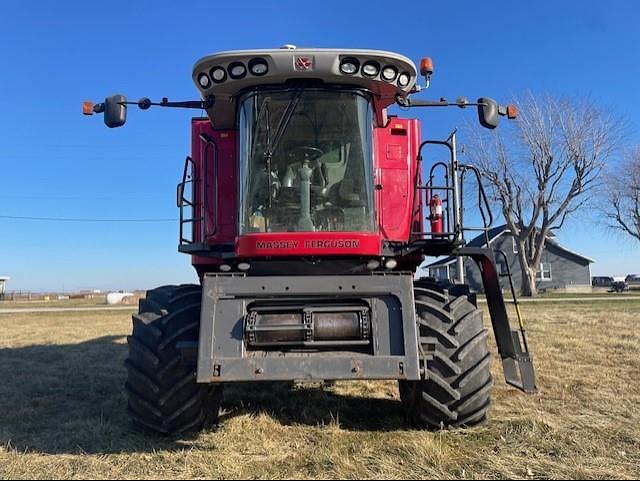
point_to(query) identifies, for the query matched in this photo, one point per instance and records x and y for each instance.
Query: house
(560, 267)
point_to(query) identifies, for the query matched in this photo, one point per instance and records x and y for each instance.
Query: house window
(440, 273)
(544, 273)
(502, 267)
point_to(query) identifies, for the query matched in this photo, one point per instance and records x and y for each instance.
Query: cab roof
(224, 75)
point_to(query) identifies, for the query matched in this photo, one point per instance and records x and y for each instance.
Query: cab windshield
(305, 161)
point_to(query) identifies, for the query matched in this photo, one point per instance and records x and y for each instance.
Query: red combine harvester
(307, 209)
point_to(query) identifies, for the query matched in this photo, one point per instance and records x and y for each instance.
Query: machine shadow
(313, 406)
(60, 399)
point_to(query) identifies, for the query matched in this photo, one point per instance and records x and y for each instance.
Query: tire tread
(163, 394)
(457, 386)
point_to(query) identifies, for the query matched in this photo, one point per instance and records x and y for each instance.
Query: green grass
(63, 412)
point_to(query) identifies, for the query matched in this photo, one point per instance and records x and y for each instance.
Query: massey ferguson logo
(309, 244)
(304, 63)
(282, 244)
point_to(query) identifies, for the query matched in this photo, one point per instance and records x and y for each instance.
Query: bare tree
(541, 171)
(623, 188)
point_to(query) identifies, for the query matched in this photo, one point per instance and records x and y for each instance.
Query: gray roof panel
(323, 64)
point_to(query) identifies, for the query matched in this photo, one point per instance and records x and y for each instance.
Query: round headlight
(391, 264)
(371, 69)
(204, 81)
(237, 70)
(218, 74)
(244, 266)
(349, 66)
(373, 264)
(258, 66)
(404, 79)
(389, 73)
(225, 267)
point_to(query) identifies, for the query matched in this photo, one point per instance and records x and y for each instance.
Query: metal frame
(455, 175)
(512, 344)
(452, 232)
(517, 362)
(223, 355)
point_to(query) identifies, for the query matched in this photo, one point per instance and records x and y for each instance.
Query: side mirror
(488, 113)
(115, 111)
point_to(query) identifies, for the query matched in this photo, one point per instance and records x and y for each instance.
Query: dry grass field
(24, 304)
(62, 411)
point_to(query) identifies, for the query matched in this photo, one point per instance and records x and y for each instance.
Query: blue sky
(57, 163)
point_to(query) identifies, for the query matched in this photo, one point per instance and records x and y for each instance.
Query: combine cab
(306, 209)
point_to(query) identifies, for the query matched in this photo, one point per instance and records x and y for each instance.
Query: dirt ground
(62, 411)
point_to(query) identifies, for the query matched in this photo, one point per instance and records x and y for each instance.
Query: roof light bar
(371, 68)
(237, 70)
(389, 73)
(349, 66)
(403, 79)
(204, 80)
(218, 74)
(258, 66)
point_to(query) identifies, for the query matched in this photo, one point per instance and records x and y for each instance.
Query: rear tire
(161, 386)
(457, 388)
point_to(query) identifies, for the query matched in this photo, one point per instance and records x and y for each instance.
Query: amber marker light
(87, 108)
(426, 66)
(512, 112)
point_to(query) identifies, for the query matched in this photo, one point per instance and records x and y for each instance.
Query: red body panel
(395, 151)
(398, 208)
(222, 230)
(224, 187)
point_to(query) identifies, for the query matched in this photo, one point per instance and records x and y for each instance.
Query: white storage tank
(119, 297)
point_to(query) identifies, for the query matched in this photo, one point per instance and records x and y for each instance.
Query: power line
(86, 220)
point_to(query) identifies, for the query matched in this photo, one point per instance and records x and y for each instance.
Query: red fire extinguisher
(435, 208)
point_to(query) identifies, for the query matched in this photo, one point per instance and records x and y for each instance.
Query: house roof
(494, 233)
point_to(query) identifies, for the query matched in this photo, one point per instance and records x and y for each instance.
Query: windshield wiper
(286, 118)
(284, 121)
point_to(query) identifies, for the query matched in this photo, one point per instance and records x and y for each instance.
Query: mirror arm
(98, 108)
(114, 108)
(145, 103)
(462, 103)
(509, 111)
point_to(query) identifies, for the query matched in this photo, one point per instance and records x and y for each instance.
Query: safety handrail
(451, 231)
(205, 232)
(483, 201)
(455, 175)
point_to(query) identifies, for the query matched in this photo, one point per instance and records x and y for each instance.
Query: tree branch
(559, 150)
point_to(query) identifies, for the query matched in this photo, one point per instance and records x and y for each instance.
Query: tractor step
(518, 370)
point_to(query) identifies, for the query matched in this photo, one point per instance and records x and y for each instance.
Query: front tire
(457, 386)
(161, 386)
